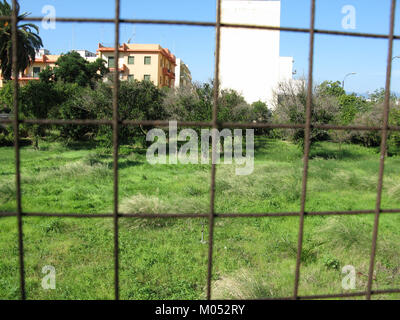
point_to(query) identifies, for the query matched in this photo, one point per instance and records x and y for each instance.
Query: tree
(72, 68)
(46, 75)
(330, 88)
(350, 106)
(394, 136)
(233, 107)
(38, 99)
(28, 41)
(291, 108)
(379, 96)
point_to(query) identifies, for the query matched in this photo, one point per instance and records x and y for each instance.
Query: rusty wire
(383, 150)
(16, 147)
(115, 122)
(115, 150)
(307, 143)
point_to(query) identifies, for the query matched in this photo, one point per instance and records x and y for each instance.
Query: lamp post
(349, 74)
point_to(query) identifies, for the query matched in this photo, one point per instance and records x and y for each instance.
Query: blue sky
(334, 56)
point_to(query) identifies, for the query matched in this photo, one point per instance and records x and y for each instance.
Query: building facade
(87, 55)
(183, 77)
(43, 59)
(136, 61)
(249, 58)
(148, 62)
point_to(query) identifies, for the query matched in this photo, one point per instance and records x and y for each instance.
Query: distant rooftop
(136, 47)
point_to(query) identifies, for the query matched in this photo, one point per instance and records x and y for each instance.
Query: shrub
(291, 108)
(6, 136)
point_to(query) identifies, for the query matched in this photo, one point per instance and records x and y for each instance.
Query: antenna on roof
(133, 38)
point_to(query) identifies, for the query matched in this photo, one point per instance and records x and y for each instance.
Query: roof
(48, 58)
(140, 48)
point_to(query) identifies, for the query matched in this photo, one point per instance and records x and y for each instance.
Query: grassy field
(164, 259)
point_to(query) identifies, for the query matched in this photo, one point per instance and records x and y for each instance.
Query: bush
(291, 109)
(196, 104)
(394, 136)
(371, 118)
(73, 108)
(6, 136)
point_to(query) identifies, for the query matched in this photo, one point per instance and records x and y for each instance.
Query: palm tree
(27, 37)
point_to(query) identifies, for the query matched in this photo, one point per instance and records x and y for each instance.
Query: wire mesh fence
(116, 123)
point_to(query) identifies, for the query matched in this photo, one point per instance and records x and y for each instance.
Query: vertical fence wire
(214, 149)
(14, 40)
(115, 149)
(307, 142)
(385, 125)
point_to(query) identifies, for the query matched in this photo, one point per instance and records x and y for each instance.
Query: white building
(183, 77)
(41, 52)
(250, 62)
(87, 55)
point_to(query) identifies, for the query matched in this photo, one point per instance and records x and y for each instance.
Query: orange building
(136, 61)
(42, 60)
(142, 62)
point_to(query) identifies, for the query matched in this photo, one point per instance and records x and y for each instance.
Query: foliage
(232, 107)
(72, 68)
(260, 112)
(6, 136)
(197, 104)
(72, 109)
(330, 88)
(378, 96)
(371, 118)
(349, 106)
(6, 97)
(394, 136)
(28, 41)
(38, 99)
(291, 108)
(46, 75)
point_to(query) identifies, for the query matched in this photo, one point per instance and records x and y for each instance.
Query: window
(111, 62)
(131, 60)
(146, 77)
(131, 77)
(147, 60)
(36, 71)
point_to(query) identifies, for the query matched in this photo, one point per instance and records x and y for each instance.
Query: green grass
(164, 258)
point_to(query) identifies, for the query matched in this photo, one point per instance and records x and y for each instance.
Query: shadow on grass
(129, 164)
(329, 151)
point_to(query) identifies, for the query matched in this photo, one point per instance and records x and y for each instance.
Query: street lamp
(349, 74)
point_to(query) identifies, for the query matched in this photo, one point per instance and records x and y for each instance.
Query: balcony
(122, 68)
(169, 73)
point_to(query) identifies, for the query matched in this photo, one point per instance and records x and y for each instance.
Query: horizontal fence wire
(115, 122)
(203, 124)
(211, 25)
